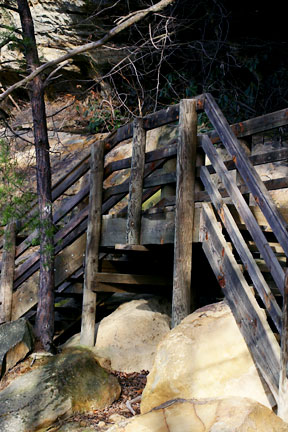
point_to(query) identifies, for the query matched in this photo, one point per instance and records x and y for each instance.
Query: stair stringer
(250, 318)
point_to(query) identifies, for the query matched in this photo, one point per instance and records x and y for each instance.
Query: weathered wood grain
(155, 229)
(151, 181)
(255, 125)
(245, 212)
(283, 380)
(92, 246)
(239, 243)
(248, 172)
(251, 321)
(7, 273)
(185, 173)
(130, 279)
(136, 183)
(67, 263)
(277, 155)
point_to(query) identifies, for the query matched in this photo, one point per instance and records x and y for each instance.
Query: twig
(125, 23)
(129, 402)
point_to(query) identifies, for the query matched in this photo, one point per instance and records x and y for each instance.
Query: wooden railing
(246, 310)
(192, 181)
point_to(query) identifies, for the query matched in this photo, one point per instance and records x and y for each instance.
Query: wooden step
(122, 282)
(133, 279)
(131, 248)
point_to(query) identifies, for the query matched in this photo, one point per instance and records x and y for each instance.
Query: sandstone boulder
(210, 415)
(16, 341)
(129, 336)
(205, 356)
(69, 382)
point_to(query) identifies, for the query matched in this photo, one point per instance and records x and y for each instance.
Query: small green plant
(102, 115)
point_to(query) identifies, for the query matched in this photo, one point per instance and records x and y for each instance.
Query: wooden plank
(130, 279)
(243, 250)
(283, 380)
(136, 183)
(162, 117)
(7, 273)
(68, 205)
(277, 155)
(248, 172)
(151, 121)
(250, 318)
(274, 184)
(130, 288)
(169, 114)
(111, 198)
(66, 264)
(155, 229)
(61, 239)
(71, 179)
(92, 246)
(258, 124)
(163, 153)
(74, 228)
(132, 248)
(62, 185)
(245, 212)
(151, 181)
(260, 218)
(186, 159)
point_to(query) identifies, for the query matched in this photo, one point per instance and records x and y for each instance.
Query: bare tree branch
(124, 23)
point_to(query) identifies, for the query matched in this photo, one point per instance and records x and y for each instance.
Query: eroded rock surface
(71, 381)
(16, 341)
(210, 415)
(129, 336)
(205, 356)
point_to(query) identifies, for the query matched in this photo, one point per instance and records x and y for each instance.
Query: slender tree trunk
(44, 325)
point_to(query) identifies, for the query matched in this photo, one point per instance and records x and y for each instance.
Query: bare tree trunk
(44, 325)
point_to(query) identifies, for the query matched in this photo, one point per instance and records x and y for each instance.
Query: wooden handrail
(248, 172)
(245, 212)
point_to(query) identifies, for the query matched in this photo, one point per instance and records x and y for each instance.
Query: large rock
(129, 336)
(16, 341)
(205, 356)
(69, 382)
(217, 415)
(59, 27)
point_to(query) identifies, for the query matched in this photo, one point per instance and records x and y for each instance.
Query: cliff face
(61, 25)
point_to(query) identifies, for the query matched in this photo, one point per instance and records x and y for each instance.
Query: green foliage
(13, 196)
(101, 115)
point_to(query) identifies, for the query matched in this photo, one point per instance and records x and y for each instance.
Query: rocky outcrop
(129, 336)
(69, 382)
(205, 356)
(217, 415)
(16, 341)
(60, 26)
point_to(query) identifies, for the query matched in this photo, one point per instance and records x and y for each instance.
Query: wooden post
(92, 245)
(7, 273)
(133, 229)
(186, 160)
(283, 381)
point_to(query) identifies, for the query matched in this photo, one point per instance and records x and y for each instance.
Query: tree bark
(44, 325)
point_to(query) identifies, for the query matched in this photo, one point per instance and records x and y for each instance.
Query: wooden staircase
(113, 245)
